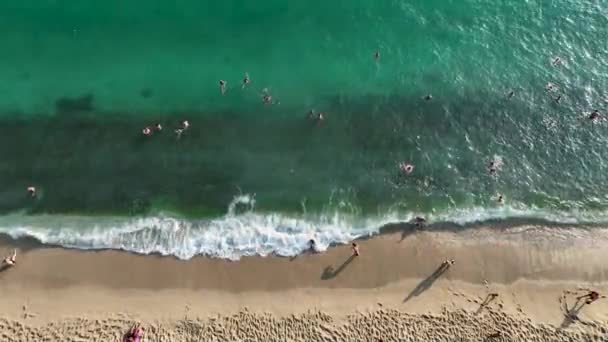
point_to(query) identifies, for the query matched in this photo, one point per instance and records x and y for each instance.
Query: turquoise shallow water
(161, 62)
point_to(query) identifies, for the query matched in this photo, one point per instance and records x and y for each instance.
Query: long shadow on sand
(329, 272)
(426, 283)
(571, 314)
(4, 268)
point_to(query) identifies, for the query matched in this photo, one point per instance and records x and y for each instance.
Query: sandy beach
(392, 292)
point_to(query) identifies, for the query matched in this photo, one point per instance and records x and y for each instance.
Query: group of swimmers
(149, 130)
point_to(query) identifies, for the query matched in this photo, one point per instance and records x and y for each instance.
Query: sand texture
(516, 283)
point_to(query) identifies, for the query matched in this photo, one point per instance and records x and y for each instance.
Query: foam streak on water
(236, 235)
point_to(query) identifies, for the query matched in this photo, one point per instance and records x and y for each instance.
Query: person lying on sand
(135, 334)
(355, 249)
(592, 296)
(11, 260)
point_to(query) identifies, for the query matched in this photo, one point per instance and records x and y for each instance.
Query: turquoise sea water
(80, 79)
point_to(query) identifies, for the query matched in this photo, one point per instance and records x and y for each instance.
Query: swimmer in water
(31, 190)
(222, 87)
(320, 118)
(246, 81)
(500, 199)
(510, 94)
(159, 127)
(428, 97)
(266, 97)
(556, 61)
(406, 168)
(492, 168)
(147, 131)
(179, 132)
(377, 55)
(595, 116)
(185, 125)
(550, 87)
(557, 99)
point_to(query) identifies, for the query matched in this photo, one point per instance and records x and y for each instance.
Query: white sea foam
(241, 232)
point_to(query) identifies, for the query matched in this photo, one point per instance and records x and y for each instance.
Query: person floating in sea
(558, 99)
(31, 190)
(591, 297)
(595, 116)
(492, 167)
(147, 131)
(222, 87)
(267, 97)
(246, 81)
(406, 168)
(11, 260)
(355, 249)
(556, 61)
(185, 124)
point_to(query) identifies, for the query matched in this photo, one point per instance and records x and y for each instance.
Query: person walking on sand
(447, 264)
(11, 260)
(355, 249)
(592, 296)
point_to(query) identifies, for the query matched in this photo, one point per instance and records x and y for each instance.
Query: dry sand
(392, 292)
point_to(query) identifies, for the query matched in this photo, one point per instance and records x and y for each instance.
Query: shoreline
(536, 271)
